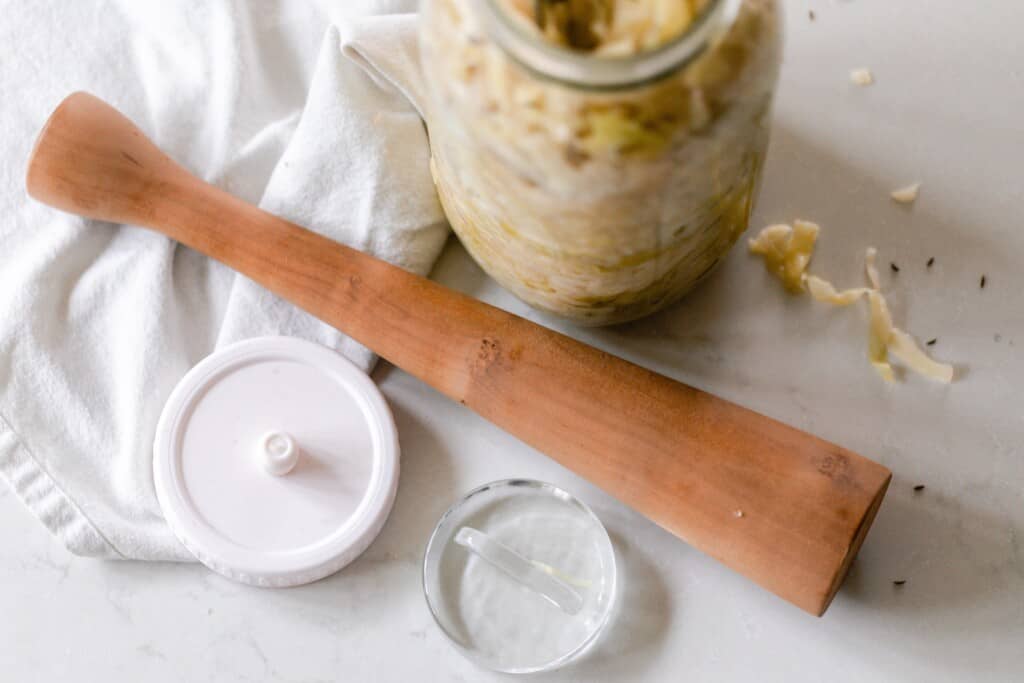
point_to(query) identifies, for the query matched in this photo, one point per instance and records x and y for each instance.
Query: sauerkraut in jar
(599, 157)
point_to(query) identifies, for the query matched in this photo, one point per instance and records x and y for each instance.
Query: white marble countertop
(945, 110)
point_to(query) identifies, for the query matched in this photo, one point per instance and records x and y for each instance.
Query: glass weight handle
(523, 570)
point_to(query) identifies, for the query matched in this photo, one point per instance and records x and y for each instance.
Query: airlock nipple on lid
(278, 453)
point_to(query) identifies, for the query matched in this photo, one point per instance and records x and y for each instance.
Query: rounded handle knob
(278, 453)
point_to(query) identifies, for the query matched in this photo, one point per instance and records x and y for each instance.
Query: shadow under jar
(596, 168)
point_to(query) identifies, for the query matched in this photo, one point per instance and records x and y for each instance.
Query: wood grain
(684, 458)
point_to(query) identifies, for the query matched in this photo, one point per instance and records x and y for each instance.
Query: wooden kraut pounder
(780, 506)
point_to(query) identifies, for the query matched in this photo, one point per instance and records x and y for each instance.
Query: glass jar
(598, 188)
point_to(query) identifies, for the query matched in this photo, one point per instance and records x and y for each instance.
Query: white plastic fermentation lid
(276, 461)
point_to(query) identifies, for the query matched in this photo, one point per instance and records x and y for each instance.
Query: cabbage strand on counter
(787, 251)
(608, 27)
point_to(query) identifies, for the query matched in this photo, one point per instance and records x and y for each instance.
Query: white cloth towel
(98, 322)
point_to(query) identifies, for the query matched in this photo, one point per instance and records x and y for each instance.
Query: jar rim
(585, 71)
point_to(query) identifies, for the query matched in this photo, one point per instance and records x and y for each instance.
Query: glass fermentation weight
(520, 576)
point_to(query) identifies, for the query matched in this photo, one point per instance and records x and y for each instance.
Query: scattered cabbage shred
(879, 333)
(862, 77)
(906, 195)
(906, 350)
(787, 250)
(822, 290)
(869, 266)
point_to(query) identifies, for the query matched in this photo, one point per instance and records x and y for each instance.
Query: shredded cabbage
(906, 195)
(824, 291)
(787, 251)
(608, 27)
(879, 332)
(903, 346)
(869, 267)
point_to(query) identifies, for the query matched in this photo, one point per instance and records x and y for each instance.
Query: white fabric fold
(311, 111)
